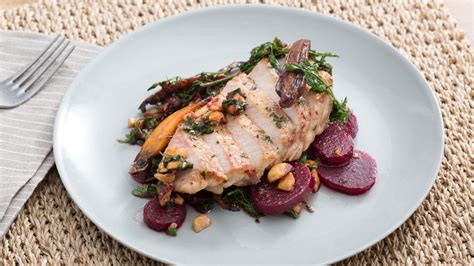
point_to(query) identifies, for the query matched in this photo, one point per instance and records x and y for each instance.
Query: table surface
(462, 11)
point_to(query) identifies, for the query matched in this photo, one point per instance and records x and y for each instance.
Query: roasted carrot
(160, 137)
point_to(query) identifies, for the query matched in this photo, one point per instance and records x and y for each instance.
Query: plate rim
(62, 111)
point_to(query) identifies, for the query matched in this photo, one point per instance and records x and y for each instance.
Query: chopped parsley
(182, 163)
(228, 102)
(172, 229)
(278, 119)
(267, 138)
(235, 102)
(146, 190)
(198, 127)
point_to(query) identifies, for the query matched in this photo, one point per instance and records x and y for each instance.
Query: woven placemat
(52, 229)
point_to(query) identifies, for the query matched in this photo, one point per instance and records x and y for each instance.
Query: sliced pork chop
(238, 152)
(234, 160)
(265, 78)
(268, 116)
(255, 142)
(206, 170)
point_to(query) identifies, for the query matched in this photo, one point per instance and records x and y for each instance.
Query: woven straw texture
(52, 229)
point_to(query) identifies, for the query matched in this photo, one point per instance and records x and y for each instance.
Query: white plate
(399, 119)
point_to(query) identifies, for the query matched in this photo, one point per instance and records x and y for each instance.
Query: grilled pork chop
(239, 151)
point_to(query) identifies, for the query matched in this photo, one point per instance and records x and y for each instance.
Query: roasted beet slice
(159, 218)
(334, 146)
(355, 178)
(351, 125)
(270, 200)
(145, 177)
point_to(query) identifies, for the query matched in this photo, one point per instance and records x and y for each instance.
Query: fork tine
(43, 59)
(36, 75)
(20, 73)
(34, 89)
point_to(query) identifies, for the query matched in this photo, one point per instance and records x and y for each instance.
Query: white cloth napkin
(26, 132)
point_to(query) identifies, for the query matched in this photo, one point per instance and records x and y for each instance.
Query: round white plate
(399, 124)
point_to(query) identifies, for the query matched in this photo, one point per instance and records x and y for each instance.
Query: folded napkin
(26, 132)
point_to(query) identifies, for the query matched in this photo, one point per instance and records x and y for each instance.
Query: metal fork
(23, 85)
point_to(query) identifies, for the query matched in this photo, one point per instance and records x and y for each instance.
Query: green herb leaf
(318, 85)
(320, 60)
(239, 105)
(170, 81)
(145, 191)
(273, 50)
(198, 127)
(278, 119)
(134, 136)
(172, 230)
(151, 123)
(303, 158)
(267, 138)
(206, 206)
(241, 197)
(182, 162)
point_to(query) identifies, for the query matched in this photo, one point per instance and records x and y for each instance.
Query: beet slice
(355, 178)
(270, 200)
(159, 218)
(145, 177)
(351, 126)
(334, 146)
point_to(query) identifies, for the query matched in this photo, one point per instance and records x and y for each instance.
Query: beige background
(462, 11)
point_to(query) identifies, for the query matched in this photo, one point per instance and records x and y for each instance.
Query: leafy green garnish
(170, 81)
(198, 127)
(318, 85)
(320, 59)
(228, 102)
(274, 50)
(182, 162)
(205, 84)
(134, 136)
(241, 197)
(151, 123)
(146, 190)
(267, 138)
(206, 206)
(278, 119)
(303, 158)
(172, 230)
(155, 162)
(141, 130)
(238, 105)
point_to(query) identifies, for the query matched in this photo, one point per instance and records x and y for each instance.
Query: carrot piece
(160, 137)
